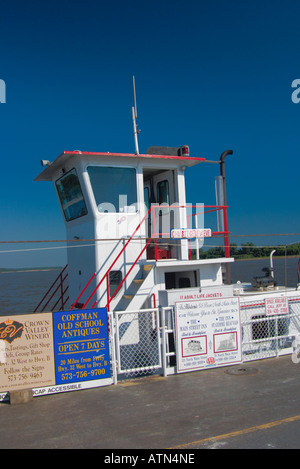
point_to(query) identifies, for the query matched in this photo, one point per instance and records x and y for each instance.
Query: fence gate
(138, 344)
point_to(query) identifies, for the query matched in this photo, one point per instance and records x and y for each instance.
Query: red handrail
(61, 298)
(215, 208)
(119, 286)
(226, 232)
(153, 236)
(76, 301)
(118, 256)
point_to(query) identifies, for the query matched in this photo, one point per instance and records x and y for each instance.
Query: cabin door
(165, 194)
(164, 190)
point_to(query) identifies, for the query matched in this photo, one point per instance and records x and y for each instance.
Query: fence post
(163, 341)
(111, 319)
(155, 239)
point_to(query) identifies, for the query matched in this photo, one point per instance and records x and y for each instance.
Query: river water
(285, 270)
(20, 292)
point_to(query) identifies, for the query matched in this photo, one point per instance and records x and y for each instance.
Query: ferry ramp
(252, 405)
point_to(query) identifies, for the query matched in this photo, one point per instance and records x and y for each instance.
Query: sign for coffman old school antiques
(54, 352)
(81, 345)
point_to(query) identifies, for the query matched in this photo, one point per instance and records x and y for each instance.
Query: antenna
(134, 117)
(134, 96)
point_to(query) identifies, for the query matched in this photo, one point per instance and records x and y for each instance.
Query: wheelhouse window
(115, 189)
(163, 196)
(163, 192)
(70, 196)
(147, 197)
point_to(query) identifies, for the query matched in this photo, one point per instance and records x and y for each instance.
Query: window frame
(165, 210)
(61, 200)
(159, 191)
(117, 211)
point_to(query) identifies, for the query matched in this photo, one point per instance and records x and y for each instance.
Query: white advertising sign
(277, 305)
(208, 333)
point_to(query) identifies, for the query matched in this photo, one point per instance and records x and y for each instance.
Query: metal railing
(155, 236)
(266, 336)
(106, 275)
(57, 292)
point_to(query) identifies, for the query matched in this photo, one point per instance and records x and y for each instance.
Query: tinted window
(147, 197)
(163, 192)
(70, 196)
(114, 188)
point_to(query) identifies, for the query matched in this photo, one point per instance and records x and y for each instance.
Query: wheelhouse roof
(47, 173)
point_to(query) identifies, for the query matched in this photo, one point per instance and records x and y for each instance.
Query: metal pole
(111, 319)
(134, 117)
(135, 132)
(222, 171)
(271, 262)
(61, 292)
(163, 342)
(226, 238)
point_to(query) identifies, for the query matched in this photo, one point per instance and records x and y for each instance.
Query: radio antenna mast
(134, 118)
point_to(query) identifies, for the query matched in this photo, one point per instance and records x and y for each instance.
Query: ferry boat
(133, 247)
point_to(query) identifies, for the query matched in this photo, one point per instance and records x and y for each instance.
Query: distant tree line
(249, 250)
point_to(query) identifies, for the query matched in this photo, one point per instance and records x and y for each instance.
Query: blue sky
(213, 75)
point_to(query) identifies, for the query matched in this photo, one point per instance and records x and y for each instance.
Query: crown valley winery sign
(26, 357)
(54, 352)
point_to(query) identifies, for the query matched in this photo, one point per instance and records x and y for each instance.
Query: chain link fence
(137, 342)
(145, 339)
(265, 336)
